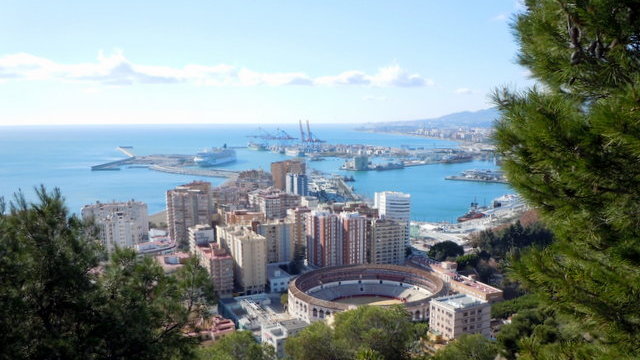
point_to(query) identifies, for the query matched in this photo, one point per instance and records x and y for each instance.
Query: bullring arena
(317, 294)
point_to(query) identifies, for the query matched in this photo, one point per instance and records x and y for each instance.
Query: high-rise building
(453, 316)
(188, 205)
(120, 224)
(280, 169)
(324, 238)
(249, 252)
(395, 206)
(273, 202)
(297, 218)
(219, 265)
(297, 184)
(387, 242)
(279, 235)
(354, 227)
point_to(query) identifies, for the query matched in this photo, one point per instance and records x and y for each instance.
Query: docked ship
(257, 146)
(474, 213)
(215, 157)
(295, 152)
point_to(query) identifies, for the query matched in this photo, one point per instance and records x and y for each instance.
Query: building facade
(200, 235)
(395, 206)
(297, 184)
(354, 236)
(273, 203)
(455, 315)
(120, 224)
(279, 235)
(249, 253)
(280, 169)
(387, 242)
(324, 238)
(219, 265)
(188, 205)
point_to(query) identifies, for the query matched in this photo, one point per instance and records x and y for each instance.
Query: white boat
(293, 152)
(215, 157)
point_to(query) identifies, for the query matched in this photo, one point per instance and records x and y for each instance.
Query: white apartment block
(120, 224)
(395, 206)
(455, 315)
(200, 235)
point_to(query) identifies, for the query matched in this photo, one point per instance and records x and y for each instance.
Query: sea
(62, 156)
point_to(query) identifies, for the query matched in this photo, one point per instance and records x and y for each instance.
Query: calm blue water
(62, 156)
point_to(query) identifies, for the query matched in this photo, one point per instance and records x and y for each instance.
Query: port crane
(280, 136)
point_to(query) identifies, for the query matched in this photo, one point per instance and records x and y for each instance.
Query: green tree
(387, 331)
(366, 332)
(570, 147)
(316, 342)
(239, 345)
(56, 304)
(468, 347)
(446, 249)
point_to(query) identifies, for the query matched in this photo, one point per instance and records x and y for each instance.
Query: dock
(478, 179)
(220, 173)
(168, 163)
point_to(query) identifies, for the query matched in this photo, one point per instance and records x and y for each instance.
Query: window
(465, 314)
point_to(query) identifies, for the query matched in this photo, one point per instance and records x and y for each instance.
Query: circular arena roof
(323, 287)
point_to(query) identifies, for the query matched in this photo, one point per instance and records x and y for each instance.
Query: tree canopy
(56, 302)
(366, 332)
(446, 249)
(571, 147)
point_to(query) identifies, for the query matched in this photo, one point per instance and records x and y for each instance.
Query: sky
(241, 61)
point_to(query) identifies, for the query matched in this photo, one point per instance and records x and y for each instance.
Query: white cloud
(117, 70)
(463, 91)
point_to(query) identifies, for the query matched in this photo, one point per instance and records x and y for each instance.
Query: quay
(196, 172)
(463, 178)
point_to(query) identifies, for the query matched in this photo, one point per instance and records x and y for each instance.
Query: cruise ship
(215, 157)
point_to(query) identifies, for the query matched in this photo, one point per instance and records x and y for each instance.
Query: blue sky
(97, 62)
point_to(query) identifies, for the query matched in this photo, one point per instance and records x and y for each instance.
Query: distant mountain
(480, 118)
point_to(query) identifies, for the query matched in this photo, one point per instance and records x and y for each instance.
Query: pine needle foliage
(571, 146)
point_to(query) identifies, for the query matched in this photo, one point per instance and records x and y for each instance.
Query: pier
(168, 163)
(196, 172)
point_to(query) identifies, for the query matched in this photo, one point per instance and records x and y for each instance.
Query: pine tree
(572, 148)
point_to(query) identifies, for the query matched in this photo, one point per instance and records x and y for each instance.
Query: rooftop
(460, 301)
